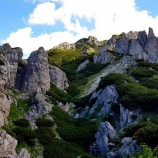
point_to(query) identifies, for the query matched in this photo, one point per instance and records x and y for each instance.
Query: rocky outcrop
(90, 40)
(37, 78)
(103, 57)
(105, 132)
(5, 103)
(9, 60)
(122, 45)
(23, 153)
(104, 101)
(39, 107)
(7, 145)
(129, 147)
(58, 77)
(20, 74)
(151, 47)
(125, 117)
(65, 46)
(83, 65)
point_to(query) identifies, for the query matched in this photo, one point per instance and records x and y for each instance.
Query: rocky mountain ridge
(34, 87)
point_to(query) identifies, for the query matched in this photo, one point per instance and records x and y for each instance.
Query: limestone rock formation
(40, 107)
(129, 147)
(105, 100)
(23, 153)
(9, 60)
(58, 78)
(90, 40)
(5, 103)
(121, 46)
(83, 65)
(7, 145)
(103, 57)
(105, 132)
(125, 117)
(65, 46)
(37, 78)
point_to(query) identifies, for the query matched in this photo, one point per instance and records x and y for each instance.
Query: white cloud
(110, 17)
(24, 38)
(43, 14)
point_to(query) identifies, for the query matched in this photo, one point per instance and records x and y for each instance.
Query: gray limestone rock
(65, 46)
(40, 107)
(122, 45)
(7, 145)
(58, 77)
(23, 153)
(125, 117)
(129, 147)
(103, 57)
(105, 132)
(142, 38)
(83, 65)
(5, 103)
(9, 60)
(37, 78)
(105, 100)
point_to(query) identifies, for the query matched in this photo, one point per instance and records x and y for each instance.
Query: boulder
(37, 78)
(23, 153)
(129, 147)
(7, 145)
(58, 77)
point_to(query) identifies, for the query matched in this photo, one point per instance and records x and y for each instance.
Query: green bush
(42, 122)
(45, 135)
(22, 122)
(61, 149)
(70, 130)
(57, 94)
(150, 83)
(140, 73)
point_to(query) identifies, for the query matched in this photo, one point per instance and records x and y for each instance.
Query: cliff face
(102, 85)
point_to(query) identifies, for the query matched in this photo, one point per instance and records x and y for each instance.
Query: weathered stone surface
(7, 145)
(58, 77)
(137, 51)
(142, 38)
(122, 46)
(151, 47)
(129, 147)
(9, 57)
(83, 65)
(108, 97)
(65, 46)
(20, 74)
(23, 153)
(125, 117)
(90, 40)
(37, 78)
(105, 132)
(40, 107)
(103, 58)
(5, 103)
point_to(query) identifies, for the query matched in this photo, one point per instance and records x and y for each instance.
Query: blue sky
(30, 24)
